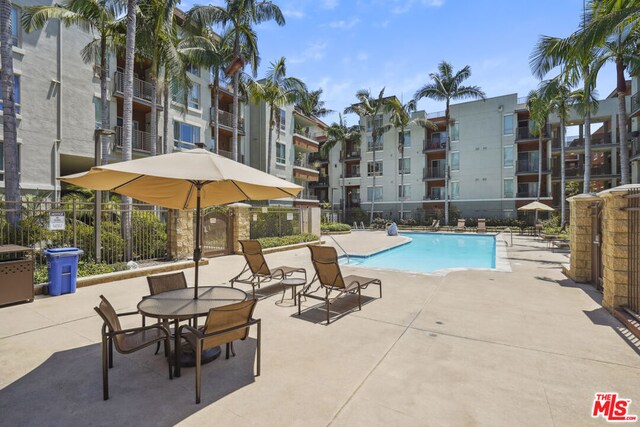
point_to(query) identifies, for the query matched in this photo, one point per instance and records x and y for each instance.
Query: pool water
(429, 252)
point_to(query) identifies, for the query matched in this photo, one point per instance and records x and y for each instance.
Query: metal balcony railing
(531, 166)
(434, 144)
(352, 155)
(307, 196)
(635, 103)
(318, 157)
(434, 196)
(433, 173)
(526, 133)
(531, 193)
(578, 171)
(304, 163)
(436, 114)
(225, 118)
(140, 141)
(322, 181)
(635, 147)
(141, 88)
(375, 147)
(575, 141)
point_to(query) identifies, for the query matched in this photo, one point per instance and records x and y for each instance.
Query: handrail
(504, 231)
(338, 244)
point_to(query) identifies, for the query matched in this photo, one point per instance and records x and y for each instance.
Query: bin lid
(61, 250)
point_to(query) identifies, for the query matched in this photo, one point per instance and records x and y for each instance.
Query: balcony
(305, 196)
(528, 194)
(322, 181)
(434, 144)
(577, 142)
(433, 173)
(351, 155)
(353, 202)
(525, 133)
(578, 171)
(318, 157)
(305, 171)
(436, 114)
(355, 174)
(140, 141)
(635, 104)
(305, 140)
(375, 147)
(225, 120)
(525, 167)
(434, 197)
(141, 90)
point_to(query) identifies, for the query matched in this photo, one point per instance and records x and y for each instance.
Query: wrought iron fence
(46, 224)
(274, 222)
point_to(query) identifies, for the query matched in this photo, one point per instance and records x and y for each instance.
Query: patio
(528, 347)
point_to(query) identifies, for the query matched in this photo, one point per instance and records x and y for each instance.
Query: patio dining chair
(256, 269)
(126, 340)
(330, 280)
(163, 283)
(224, 325)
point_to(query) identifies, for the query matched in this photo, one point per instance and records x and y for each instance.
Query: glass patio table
(179, 305)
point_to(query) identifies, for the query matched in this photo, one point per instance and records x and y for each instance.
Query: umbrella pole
(197, 251)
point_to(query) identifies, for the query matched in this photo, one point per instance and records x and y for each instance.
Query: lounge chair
(435, 225)
(330, 279)
(126, 340)
(482, 226)
(258, 271)
(224, 325)
(460, 226)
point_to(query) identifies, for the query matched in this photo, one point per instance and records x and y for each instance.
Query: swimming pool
(429, 252)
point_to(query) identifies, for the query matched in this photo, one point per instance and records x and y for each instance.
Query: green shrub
(497, 222)
(335, 226)
(380, 223)
(85, 268)
(272, 242)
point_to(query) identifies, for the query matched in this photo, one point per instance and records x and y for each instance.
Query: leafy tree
(312, 105)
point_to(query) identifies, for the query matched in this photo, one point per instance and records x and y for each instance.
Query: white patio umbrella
(186, 180)
(536, 206)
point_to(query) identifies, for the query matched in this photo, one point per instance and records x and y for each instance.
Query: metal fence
(46, 224)
(274, 222)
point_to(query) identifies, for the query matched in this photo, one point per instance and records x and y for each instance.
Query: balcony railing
(635, 102)
(355, 174)
(322, 181)
(352, 155)
(141, 89)
(531, 193)
(578, 171)
(140, 141)
(635, 147)
(375, 147)
(307, 196)
(227, 154)
(531, 166)
(225, 118)
(434, 196)
(318, 157)
(434, 144)
(435, 114)
(526, 133)
(304, 163)
(433, 173)
(578, 141)
(354, 202)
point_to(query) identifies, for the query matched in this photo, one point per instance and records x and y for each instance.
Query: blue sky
(346, 45)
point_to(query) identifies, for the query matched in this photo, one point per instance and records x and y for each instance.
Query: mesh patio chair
(330, 279)
(163, 283)
(256, 269)
(126, 340)
(224, 325)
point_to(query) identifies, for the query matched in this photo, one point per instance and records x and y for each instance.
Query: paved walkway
(470, 348)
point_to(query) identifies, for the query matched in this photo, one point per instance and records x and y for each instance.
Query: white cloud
(381, 24)
(329, 4)
(362, 56)
(313, 52)
(293, 13)
(403, 6)
(344, 25)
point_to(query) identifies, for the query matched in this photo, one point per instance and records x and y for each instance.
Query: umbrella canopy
(172, 180)
(536, 206)
(186, 180)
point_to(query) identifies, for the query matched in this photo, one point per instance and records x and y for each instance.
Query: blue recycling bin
(62, 268)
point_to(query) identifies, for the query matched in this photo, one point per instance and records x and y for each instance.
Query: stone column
(180, 237)
(581, 237)
(241, 224)
(615, 246)
(315, 220)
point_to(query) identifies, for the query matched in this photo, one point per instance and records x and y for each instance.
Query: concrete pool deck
(528, 347)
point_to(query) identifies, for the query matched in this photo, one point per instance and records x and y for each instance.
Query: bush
(85, 268)
(379, 223)
(497, 222)
(274, 223)
(273, 242)
(335, 226)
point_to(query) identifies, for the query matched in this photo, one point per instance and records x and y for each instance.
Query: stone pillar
(315, 220)
(615, 246)
(581, 237)
(241, 224)
(180, 237)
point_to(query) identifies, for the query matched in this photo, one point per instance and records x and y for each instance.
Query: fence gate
(217, 233)
(633, 207)
(596, 245)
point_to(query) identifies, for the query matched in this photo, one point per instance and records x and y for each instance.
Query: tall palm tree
(101, 17)
(10, 137)
(240, 16)
(447, 86)
(400, 118)
(276, 90)
(339, 134)
(370, 108)
(539, 108)
(312, 105)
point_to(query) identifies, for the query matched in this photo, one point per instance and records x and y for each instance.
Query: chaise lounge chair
(330, 279)
(435, 225)
(258, 271)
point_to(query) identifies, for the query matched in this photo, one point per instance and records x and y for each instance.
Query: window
(455, 161)
(374, 168)
(377, 192)
(193, 69)
(377, 122)
(404, 191)
(437, 193)
(507, 157)
(455, 131)
(508, 124)
(282, 121)
(377, 147)
(281, 153)
(185, 135)
(508, 188)
(194, 96)
(97, 107)
(2, 161)
(455, 190)
(15, 26)
(404, 166)
(16, 94)
(407, 138)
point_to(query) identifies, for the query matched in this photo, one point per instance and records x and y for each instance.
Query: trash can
(62, 268)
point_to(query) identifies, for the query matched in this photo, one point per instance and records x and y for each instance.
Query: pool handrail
(504, 231)
(338, 245)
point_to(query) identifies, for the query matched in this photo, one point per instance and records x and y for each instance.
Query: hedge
(335, 226)
(85, 268)
(273, 242)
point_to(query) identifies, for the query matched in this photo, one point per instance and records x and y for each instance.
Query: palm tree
(10, 138)
(276, 90)
(100, 17)
(338, 134)
(447, 86)
(239, 16)
(539, 109)
(400, 118)
(312, 106)
(370, 108)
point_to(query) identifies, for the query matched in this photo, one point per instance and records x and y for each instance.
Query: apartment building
(634, 114)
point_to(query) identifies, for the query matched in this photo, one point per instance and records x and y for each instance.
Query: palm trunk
(622, 122)
(127, 117)
(165, 114)
(153, 148)
(270, 140)
(10, 143)
(344, 180)
(447, 170)
(104, 101)
(563, 179)
(234, 146)
(216, 105)
(586, 187)
(373, 190)
(402, 175)
(541, 129)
